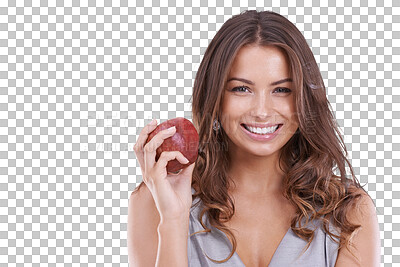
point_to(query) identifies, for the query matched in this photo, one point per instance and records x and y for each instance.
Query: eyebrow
(252, 83)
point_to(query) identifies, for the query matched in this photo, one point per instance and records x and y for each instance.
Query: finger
(139, 145)
(151, 147)
(187, 171)
(166, 156)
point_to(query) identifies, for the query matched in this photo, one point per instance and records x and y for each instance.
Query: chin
(260, 152)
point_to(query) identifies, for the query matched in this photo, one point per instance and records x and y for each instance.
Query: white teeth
(258, 130)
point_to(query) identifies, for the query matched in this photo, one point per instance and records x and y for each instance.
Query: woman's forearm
(172, 244)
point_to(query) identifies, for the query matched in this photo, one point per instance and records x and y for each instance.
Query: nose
(262, 105)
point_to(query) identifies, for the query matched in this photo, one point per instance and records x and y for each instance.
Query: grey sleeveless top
(216, 245)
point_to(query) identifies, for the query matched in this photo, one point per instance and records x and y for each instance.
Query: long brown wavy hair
(313, 160)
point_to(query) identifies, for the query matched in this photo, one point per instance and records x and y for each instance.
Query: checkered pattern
(79, 80)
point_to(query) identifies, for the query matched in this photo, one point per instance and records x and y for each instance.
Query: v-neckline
(276, 250)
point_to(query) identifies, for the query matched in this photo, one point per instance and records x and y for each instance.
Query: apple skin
(185, 140)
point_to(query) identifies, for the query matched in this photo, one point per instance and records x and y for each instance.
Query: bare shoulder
(365, 243)
(363, 207)
(143, 220)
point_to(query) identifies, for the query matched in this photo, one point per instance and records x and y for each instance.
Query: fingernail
(153, 121)
(171, 129)
(186, 160)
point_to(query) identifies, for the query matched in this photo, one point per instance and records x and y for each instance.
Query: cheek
(293, 117)
(232, 107)
(287, 109)
(232, 112)
(287, 106)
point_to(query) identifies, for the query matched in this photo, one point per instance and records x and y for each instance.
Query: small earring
(216, 125)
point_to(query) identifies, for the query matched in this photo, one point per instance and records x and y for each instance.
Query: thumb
(189, 170)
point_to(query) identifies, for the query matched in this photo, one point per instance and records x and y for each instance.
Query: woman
(263, 191)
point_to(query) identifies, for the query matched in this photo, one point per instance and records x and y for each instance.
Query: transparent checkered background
(80, 79)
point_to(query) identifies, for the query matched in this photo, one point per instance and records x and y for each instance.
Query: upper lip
(261, 125)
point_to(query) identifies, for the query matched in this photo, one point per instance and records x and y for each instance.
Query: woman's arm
(172, 248)
(150, 242)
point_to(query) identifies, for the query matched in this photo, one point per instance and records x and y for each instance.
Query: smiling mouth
(261, 131)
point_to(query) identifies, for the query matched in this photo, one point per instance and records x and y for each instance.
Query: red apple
(185, 140)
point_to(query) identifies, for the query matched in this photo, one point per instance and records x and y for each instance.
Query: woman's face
(259, 90)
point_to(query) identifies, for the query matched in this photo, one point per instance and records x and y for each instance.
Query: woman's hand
(171, 192)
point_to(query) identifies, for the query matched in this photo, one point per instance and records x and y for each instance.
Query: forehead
(252, 59)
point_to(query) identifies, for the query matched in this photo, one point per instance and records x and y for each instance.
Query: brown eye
(239, 88)
(283, 90)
